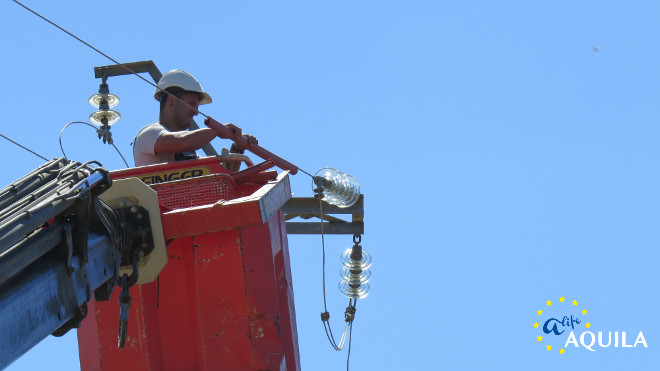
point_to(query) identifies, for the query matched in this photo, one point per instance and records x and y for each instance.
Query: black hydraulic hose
(27, 184)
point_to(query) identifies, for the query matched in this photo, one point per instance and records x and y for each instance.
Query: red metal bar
(246, 175)
(226, 133)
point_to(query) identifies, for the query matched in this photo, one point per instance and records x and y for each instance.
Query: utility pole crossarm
(308, 207)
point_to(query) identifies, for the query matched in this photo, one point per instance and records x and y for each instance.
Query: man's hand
(236, 147)
(235, 129)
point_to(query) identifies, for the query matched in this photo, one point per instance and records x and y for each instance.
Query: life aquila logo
(565, 326)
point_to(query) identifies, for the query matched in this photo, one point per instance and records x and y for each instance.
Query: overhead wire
(93, 127)
(350, 340)
(325, 316)
(326, 324)
(122, 156)
(84, 42)
(128, 69)
(25, 148)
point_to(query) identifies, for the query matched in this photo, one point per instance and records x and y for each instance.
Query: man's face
(182, 113)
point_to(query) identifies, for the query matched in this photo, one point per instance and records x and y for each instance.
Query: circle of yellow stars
(549, 303)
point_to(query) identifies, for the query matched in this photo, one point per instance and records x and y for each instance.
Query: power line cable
(122, 156)
(350, 340)
(93, 127)
(25, 148)
(84, 42)
(325, 316)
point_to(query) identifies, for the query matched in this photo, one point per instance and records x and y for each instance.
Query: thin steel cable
(326, 323)
(119, 64)
(25, 148)
(122, 156)
(105, 55)
(325, 306)
(93, 127)
(306, 173)
(64, 128)
(350, 339)
(84, 42)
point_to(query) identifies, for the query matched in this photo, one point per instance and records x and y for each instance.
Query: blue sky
(507, 152)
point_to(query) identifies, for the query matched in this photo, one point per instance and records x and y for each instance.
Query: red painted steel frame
(223, 302)
(209, 165)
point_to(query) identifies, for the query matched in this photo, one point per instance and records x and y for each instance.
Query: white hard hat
(185, 81)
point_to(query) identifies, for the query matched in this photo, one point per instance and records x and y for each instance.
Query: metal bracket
(308, 208)
(122, 69)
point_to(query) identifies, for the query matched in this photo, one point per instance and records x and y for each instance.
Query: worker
(168, 139)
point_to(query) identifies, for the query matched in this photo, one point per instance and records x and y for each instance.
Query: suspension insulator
(355, 272)
(103, 100)
(339, 189)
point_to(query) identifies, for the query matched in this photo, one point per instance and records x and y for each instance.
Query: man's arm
(183, 141)
(192, 140)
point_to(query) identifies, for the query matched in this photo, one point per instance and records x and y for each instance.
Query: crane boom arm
(59, 243)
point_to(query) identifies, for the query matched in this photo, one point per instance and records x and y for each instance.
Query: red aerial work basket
(224, 300)
(197, 191)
